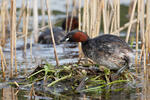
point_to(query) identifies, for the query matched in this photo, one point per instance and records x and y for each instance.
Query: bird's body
(107, 50)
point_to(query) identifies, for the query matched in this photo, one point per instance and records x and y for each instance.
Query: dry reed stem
(105, 24)
(31, 46)
(148, 31)
(92, 14)
(112, 17)
(15, 55)
(87, 17)
(3, 13)
(114, 24)
(24, 27)
(43, 12)
(32, 92)
(118, 15)
(52, 34)
(84, 16)
(28, 14)
(13, 32)
(2, 62)
(22, 10)
(3, 57)
(131, 18)
(141, 54)
(35, 20)
(125, 26)
(79, 15)
(142, 29)
(99, 13)
(67, 13)
(137, 37)
(73, 13)
(7, 15)
(79, 28)
(146, 43)
(15, 39)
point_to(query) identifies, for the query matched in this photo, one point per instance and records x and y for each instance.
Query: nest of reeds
(76, 77)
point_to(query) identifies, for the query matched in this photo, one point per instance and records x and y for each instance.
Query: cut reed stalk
(131, 19)
(52, 34)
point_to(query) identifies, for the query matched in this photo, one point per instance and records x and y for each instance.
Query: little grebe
(45, 36)
(107, 50)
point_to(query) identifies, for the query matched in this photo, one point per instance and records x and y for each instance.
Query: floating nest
(70, 79)
(76, 78)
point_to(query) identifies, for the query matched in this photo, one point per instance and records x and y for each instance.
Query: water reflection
(146, 85)
(9, 94)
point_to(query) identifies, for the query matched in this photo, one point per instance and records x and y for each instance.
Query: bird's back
(107, 50)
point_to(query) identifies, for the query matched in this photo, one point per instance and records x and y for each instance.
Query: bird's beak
(64, 39)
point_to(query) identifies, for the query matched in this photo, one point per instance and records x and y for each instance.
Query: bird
(106, 50)
(45, 36)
